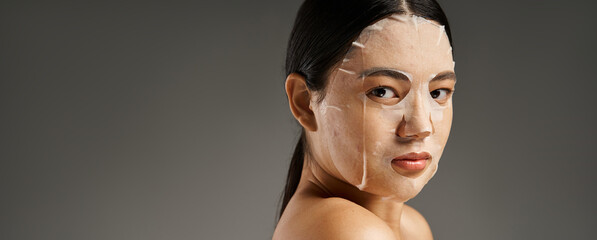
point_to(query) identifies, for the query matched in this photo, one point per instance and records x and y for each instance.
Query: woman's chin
(401, 191)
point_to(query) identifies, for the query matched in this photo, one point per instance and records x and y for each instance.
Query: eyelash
(383, 87)
(448, 91)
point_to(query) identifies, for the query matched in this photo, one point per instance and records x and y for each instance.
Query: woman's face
(387, 110)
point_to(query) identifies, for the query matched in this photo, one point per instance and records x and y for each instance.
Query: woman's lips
(412, 161)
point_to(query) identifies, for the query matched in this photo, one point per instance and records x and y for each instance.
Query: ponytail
(294, 172)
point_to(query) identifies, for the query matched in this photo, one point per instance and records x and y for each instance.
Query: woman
(371, 84)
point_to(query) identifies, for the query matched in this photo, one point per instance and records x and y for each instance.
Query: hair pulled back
(322, 34)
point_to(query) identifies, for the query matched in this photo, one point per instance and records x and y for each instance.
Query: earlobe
(299, 99)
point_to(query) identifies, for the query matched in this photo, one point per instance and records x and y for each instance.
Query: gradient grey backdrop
(168, 120)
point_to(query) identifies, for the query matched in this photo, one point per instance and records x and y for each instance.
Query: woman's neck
(316, 180)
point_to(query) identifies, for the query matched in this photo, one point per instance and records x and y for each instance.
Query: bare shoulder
(332, 218)
(414, 225)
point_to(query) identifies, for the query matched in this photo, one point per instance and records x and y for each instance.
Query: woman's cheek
(442, 128)
(343, 131)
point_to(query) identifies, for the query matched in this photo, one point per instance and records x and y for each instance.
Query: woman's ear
(299, 99)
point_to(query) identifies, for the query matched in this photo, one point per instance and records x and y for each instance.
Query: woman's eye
(440, 94)
(383, 92)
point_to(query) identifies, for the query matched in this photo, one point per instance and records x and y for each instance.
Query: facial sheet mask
(405, 55)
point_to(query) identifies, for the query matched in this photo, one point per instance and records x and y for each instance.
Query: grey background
(168, 120)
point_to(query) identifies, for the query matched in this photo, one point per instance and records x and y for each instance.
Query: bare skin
(326, 208)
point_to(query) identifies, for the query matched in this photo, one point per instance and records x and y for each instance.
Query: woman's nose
(417, 124)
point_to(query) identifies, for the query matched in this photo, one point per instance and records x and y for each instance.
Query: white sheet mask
(363, 136)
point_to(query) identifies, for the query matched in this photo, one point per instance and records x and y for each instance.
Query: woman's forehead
(412, 44)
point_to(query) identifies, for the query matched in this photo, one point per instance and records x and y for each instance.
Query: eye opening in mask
(441, 95)
(443, 86)
(390, 85)
(383, 94)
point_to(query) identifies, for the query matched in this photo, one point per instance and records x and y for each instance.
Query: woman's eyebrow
(446, 75)
(389, 72)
